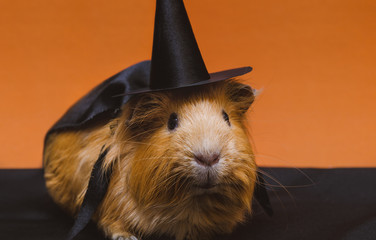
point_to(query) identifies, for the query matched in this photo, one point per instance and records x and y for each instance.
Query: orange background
(314, 59)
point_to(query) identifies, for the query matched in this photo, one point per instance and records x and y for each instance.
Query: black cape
(106, 99)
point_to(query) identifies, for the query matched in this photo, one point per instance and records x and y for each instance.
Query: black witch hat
(176, 58)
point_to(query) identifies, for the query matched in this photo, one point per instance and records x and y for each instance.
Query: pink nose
(207, 159)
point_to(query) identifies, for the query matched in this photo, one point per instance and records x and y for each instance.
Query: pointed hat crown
(176, 58)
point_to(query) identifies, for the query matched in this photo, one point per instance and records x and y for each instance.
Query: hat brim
(214, 77)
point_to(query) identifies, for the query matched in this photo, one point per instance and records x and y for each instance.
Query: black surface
(314, 204)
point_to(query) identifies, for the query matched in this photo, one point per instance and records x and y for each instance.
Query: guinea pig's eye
(225, 117)
(172, 121)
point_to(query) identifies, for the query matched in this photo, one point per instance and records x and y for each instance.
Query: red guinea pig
(181, 161)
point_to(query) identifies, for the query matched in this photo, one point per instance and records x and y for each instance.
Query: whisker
(276, 181)
(298, 169)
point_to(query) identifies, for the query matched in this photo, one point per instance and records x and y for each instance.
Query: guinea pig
(182, 163)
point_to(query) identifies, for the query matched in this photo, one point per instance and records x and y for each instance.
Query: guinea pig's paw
(118, 237)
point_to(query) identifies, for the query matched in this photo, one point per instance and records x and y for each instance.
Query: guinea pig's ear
(241, 95)
(145, 113)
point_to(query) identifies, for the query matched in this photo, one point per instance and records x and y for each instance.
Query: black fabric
(106, 99)
(95, 193)
(332, 204)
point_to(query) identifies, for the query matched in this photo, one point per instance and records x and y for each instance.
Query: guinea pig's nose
(207, 159)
